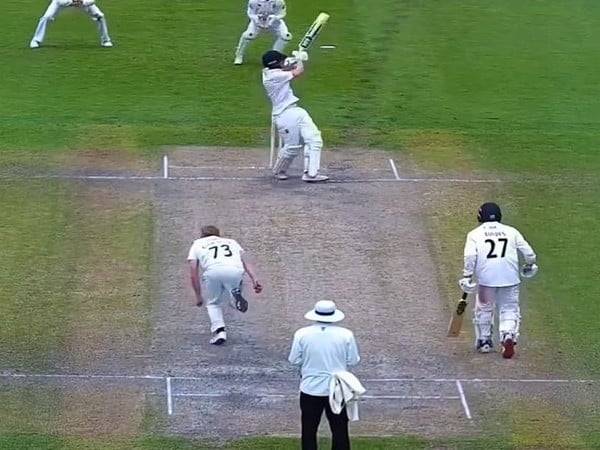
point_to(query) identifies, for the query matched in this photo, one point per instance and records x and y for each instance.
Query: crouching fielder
(56, 6)
(221, 263)
(296, 128)
(492, 256)
(264, 15)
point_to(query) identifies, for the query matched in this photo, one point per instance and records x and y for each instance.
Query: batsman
(492, 256)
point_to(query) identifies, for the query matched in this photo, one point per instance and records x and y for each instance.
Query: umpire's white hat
(325, 311)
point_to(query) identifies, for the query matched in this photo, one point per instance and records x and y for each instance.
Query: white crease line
(372, 397)
(219, 167)
(394, 169)
(371, 380)
(75, 376)
(198, 178)
(463, 399)
(169, 397)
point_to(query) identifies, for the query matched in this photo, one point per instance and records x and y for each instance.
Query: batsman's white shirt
(321, 350)
(216, 252)
(495, 247)
(277, 85)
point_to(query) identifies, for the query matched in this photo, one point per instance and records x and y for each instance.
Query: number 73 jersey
(212, 251)
(495, 248)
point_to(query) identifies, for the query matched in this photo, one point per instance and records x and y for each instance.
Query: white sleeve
(88, 2)
(524, 247)
(295, 357)
(352, 356)
(192, 255)
(470, 256)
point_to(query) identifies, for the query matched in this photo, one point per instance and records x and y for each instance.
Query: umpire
(322, 349)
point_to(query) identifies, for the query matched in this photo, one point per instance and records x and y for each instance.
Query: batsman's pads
(529, 270)
(313, 31)
(467, 285)
(241, 304)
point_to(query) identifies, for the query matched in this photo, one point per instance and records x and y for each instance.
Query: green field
(506, 88)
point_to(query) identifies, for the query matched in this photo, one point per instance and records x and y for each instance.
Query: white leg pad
(483, 313)
(509, 311)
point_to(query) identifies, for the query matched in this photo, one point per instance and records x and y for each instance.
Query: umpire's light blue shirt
(320, 350)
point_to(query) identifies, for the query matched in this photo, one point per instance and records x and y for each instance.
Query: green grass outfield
(506, 87)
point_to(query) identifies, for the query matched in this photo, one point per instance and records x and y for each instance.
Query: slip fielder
(295, 126)
(217, 267)
(88, 6)
(264, 15)
(492, 255)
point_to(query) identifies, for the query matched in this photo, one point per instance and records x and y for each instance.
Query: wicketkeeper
(491, 255)
(88, 6)
(217, 267)
(296, 128)
(264, 15)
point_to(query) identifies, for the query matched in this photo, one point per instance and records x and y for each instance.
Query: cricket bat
(457, 316)
(313, 31)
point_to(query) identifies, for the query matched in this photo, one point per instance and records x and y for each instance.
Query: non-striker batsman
(491, 255)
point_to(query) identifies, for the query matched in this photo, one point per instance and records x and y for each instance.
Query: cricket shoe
(281, 176)
(508, 346)
(107, 44)
(34, 44)
(238, 61)
(316, 179)
(218, 338)
(485, 346)
(241, 304)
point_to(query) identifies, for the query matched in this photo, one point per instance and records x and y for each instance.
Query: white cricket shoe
(316, 179)
(281, 176)
(485, 346)
(218, 338)
(34, 44)
(238, 60)
(107, 44)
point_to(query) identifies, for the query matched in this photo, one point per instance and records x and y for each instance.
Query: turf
(506, 87)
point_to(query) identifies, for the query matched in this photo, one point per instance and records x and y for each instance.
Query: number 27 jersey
(496, 247)
(213, 251)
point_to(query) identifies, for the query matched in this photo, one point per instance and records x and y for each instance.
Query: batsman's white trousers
(297, 130)
(506, 301)
(54, 9)
(217, 284)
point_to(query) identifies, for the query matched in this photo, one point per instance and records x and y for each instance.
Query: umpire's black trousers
(312, 409)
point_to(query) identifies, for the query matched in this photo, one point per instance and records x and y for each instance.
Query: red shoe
(508, 347)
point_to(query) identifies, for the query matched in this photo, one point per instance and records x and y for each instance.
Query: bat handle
(464, 296)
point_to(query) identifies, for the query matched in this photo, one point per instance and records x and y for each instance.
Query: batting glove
(467, 285)
(529, 270)
(300, 55)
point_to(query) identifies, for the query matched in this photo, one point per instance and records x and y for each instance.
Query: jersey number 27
(492, 243)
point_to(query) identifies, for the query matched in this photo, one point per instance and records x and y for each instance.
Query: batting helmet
(489, 212)
(273, 59)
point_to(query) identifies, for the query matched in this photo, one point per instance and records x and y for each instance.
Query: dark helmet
(273, 59)
(489, 212)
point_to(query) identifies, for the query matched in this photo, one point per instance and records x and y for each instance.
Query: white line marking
(220, 167)
(199, 178)
(165, 166)
(169, 398)
(371, 380)
(463, 399)
(372, 397)
(394, 169)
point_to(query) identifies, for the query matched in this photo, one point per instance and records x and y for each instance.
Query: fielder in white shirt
(491, 255)
(217, 268)
(320, 350)
(296, 128)
(88, 6)
(264, 15)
